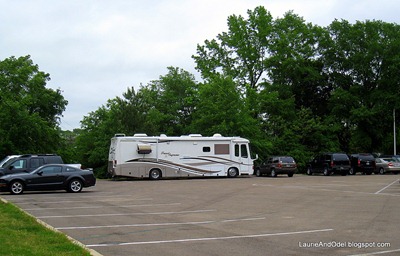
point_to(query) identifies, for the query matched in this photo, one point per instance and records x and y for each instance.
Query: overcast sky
(95, 49)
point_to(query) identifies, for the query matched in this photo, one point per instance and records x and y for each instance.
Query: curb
(92, 252)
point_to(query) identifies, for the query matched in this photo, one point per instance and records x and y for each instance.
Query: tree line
(291, 87)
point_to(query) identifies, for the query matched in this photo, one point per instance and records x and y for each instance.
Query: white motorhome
(154, 157)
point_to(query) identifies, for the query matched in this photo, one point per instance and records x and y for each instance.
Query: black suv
(364, 163)
(27, 163)
(329, 163)
(277, 165)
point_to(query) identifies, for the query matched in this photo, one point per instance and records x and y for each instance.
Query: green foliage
(29, 112)
(241, 52)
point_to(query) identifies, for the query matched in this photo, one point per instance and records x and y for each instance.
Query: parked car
(7, 159)
(362, 162)
(27, 163)
(329, 163)
(388, 164)
(277, 165)
(48, 177)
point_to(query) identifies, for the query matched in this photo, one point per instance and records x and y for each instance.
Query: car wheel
(381, 171)
(309, 171)
(273, 173)
(290, 175)
(232, 172)
(16, 187)
(75, 186)
(258, 172)
(326, 172)
(351, 171)
(155, 174)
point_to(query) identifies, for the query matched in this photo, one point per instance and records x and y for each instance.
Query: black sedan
(48, 177)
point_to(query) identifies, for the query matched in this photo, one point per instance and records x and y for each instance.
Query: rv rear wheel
(155, 174)
(233, 172)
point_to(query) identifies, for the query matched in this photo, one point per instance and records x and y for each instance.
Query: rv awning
(144, 149)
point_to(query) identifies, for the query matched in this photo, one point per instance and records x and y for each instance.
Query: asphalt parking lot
(303, 215)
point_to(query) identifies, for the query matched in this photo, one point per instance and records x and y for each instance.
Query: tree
(295, 62)
(240, 53)
(29, 111)
(364, 64)
(170, 102)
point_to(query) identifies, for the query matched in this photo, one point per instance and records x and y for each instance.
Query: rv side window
(244, 151)
(237, 151)
(221, 149)
(206, 149)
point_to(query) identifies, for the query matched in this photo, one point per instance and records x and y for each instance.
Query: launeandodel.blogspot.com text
(341, 244)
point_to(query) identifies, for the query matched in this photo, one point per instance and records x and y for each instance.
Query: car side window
(19, 164)
(36, 162)
(51, 169)
(70, 169)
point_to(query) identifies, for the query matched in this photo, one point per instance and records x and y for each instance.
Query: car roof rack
(28, 155)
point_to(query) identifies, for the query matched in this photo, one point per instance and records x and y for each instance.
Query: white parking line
(377, 192)
(331, 190)
(210, 238)
(27, 197)
(164, 224)
(97, 207)
(375, 253)
(122, 214)
(104, 200)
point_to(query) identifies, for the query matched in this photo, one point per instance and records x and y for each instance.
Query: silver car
(384, 165)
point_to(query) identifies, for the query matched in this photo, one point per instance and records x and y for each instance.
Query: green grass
(21, 234)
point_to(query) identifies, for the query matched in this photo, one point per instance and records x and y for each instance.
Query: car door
(48, 177)
(19, 165)
(265, 168)
(318, 163)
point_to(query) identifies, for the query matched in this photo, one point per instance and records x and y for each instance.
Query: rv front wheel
(155, 174)
(233, 172)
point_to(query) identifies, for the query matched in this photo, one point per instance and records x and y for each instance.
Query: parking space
(303, 215)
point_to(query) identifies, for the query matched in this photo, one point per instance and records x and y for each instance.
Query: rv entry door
(242, 155)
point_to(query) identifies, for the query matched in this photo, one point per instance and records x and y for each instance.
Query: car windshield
(340, 157)
(287, 160)
(366, 157)
(4, 161)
